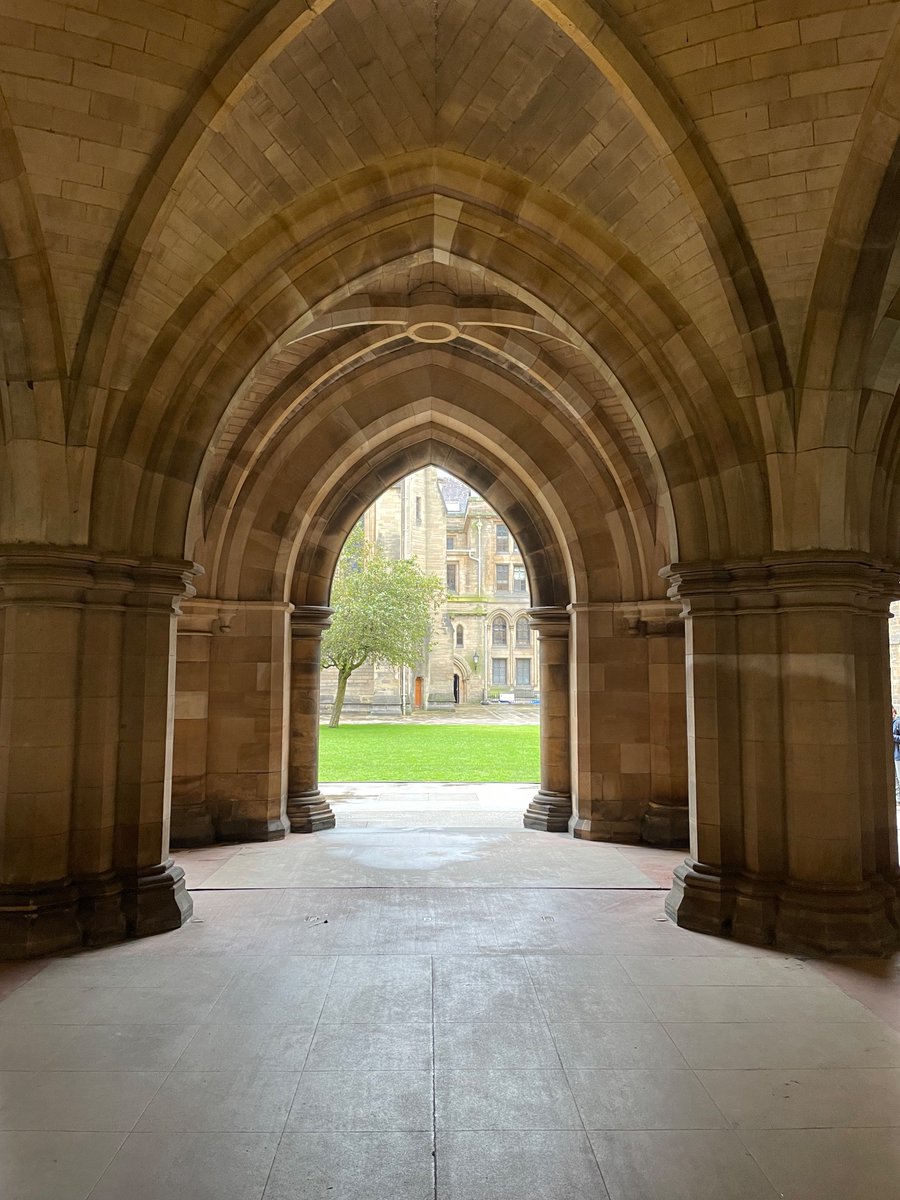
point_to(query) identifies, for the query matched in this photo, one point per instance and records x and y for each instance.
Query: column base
(100, 911)
(95, 911)
(309, 812)
(665, 825)
(38, 922)
(549, 811)
(245, 829)
(598, 829)
(191, 827)
(701, 900)
(861, 921)
(156, 900)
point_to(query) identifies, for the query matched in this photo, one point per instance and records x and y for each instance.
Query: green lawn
(437, 753)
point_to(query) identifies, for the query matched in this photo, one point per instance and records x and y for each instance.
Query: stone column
(86, 690)
(42, 598)
(191, 820)
(793, 821)
(665, 823)
(307, 809)
(95, 786)
(551, 807)
(154, 897)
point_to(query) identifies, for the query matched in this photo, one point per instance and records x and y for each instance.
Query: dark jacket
(895, 730)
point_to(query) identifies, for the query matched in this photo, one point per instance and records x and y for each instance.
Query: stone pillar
(154, 896)
(551, 807)
(307, 809)
(665, 823)
(85, 744)
(40, 623)
(246, 783)
(793, 821)
(191, 820)
(96, 786)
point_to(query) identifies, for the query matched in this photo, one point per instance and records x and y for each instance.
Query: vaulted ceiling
(650, 213)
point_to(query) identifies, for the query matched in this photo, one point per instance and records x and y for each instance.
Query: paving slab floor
(443, 1030)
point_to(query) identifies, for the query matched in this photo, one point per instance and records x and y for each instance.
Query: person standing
(895, 730)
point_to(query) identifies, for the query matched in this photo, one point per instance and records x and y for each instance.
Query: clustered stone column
(551, 807)
(86, 712)
(307, 809)
(793, 820)
(154, 895)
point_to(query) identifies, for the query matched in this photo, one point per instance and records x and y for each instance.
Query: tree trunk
(335, 717)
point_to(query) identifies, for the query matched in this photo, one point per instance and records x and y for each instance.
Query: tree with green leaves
(383, 609)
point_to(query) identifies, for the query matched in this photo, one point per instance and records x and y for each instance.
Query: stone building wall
(482, 646)
(894, 639)
(489, 601)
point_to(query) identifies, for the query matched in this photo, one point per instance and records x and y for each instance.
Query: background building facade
(482, 647)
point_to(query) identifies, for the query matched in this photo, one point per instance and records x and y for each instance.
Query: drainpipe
(404, 678)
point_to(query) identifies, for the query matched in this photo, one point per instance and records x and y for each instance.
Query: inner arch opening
(449, 735)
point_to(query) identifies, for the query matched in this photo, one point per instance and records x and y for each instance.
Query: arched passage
(278, 521)
(206, 297)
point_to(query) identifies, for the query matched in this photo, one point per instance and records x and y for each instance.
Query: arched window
(498, 632)
(460, 636)
(523, 632)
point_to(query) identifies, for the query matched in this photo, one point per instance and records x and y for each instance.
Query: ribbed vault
(323, 463)
(699, 444)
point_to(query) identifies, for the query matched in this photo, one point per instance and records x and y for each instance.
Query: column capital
(310, 620)
(75, 576)
(208, 617)
(549, 621)
(821, 579)
(634, 618)
(652, 618)
(162, 583)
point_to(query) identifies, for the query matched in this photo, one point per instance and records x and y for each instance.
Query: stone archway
(306, 808)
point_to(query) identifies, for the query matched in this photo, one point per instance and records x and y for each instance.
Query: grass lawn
(437, 753)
